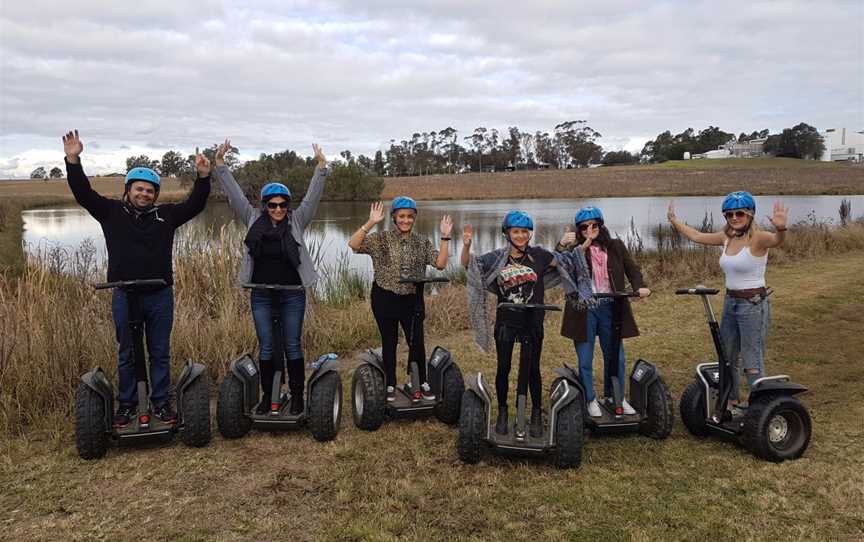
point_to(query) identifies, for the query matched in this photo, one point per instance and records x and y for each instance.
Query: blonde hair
(751, 229)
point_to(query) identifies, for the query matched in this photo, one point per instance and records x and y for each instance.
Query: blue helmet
(739, 200)
(142, 174)
(403, 202)
(588, 213)
(517, 219)
(271, 190)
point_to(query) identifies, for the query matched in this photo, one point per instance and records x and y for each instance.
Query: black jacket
(139, 245)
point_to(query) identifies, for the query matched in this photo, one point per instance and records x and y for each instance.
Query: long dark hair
(603, 238)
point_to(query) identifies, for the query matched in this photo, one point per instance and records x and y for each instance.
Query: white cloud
(275, 75)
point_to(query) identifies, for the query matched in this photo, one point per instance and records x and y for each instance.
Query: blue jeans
(599, 323)
(157, 310)
(293, 310)
(743, 331)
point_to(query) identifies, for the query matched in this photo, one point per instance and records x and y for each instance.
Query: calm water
(335, 222)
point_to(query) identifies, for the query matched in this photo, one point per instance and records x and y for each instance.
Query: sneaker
(165, 413)
(535, 427)
(417, 396)
(628, 410)
(427, 392)
(124, 416)
(296, 406)
(594, 409)
(501, 424)
(391, 394)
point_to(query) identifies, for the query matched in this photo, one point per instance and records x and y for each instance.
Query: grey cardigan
(300, 218)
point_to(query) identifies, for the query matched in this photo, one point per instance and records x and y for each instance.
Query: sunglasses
(280, 205)
(586, 227)
(735, 214)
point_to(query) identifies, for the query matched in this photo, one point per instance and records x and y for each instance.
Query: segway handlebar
(130, 283)
(255, 286)
(422, 280)
(615, 295)
(526, 306)
(698, 290)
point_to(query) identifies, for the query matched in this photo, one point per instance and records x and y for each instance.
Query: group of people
(139, 235)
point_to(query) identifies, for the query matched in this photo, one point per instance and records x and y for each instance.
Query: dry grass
(694, 178)
(404, 481)
(57, 190)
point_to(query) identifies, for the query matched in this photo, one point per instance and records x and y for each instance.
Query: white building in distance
(843, 145)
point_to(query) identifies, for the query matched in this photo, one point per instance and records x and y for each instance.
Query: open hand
(568, 239)
(780, 216)
(467, 234)
(319, 156)
(223, 149)
(446, 226)
(72, 146)
(202, 164)
(376, 212)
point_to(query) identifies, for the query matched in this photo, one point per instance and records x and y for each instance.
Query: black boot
(296, 383)
(501, 424)
(535, 427)
(265, 368)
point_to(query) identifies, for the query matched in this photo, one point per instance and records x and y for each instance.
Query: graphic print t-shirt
(521, 281)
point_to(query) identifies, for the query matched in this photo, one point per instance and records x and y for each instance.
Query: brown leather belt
(749, 293)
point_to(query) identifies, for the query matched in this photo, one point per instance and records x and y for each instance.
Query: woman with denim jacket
(746, 309)
(275, 253)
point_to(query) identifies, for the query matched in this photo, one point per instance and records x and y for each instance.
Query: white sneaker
(594, 409)
(391, 394)
(628, 410)
(427, 392)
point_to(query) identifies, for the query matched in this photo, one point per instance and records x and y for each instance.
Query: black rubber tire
(692, 409)
(231, 417)
(661, 414)
(768, 409)
(472, 427)
(369, 382)
(91, 433)
(325, 407)
(569, 435)
(196, 412)
(449, 408)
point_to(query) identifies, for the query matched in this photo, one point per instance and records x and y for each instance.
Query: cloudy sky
(147, 76)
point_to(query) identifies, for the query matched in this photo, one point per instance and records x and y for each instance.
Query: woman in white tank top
(746, 309)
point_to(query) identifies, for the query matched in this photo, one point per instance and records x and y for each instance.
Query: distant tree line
(801, 141)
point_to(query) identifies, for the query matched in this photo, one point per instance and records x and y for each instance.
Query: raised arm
(712, 238)
(767, 239)
(194, 204)
(305, 212)
(376, 215)
(244, 210)
(467, 236)
(95, 204)
(444, 248)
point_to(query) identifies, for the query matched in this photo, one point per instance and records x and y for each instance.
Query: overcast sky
(147, 76)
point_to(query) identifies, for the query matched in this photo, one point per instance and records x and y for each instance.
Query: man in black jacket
(139, 238)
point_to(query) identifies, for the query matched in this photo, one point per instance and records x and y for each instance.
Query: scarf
(571, 273)
(263, 230)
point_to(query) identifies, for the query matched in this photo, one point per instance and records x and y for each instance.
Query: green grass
(404, 482)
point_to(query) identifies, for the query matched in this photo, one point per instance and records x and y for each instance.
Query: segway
(775, 426)
(236, 411)
(561, 438)
(369, 403)
(649, 395)
(94, 398)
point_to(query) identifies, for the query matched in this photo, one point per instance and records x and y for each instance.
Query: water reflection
(336, 221)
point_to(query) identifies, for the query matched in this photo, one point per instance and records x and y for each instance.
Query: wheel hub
(358, 399)
(778, 428)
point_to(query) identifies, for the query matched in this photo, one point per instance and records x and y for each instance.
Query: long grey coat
(300, 218)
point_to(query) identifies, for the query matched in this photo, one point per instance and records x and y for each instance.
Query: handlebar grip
(422, 280)
(121, 283)
(256, 286)
(607, 295)
(699, 290)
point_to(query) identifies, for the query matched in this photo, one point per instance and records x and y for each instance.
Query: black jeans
(531, 341)
(392, 310)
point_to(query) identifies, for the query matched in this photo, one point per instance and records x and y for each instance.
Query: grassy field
(692, 177)
(404, 482)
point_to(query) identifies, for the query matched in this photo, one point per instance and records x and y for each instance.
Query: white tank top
(743, 270)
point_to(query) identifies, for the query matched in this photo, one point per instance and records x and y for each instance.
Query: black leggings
(392, 310)
(529, 364)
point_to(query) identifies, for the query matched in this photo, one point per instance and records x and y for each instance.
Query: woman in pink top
(611, 267)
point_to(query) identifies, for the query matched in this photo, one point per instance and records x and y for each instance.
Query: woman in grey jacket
(276, 254)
